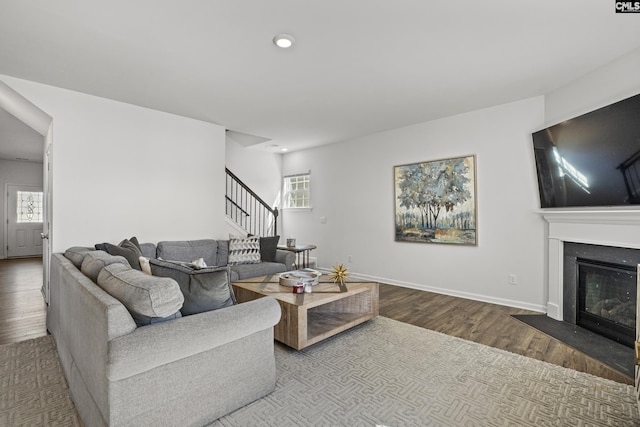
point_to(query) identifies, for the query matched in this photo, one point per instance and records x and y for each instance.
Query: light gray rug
(33, 390)
(388, 373)
(382, 373)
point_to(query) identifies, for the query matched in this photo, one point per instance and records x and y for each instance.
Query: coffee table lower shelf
(312, 317)
(322, 326)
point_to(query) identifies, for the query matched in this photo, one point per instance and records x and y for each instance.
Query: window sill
(297, 209)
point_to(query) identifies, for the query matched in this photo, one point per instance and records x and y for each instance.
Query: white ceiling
(358, 66)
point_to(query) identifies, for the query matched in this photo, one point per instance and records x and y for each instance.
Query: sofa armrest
(155, 345)
(287, 258)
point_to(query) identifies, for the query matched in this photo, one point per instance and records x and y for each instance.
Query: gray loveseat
(187, 371)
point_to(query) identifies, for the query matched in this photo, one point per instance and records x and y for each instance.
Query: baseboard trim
(466, 295)
(553, 311)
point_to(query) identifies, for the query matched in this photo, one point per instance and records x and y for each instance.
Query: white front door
(46, 225)
(24, 221)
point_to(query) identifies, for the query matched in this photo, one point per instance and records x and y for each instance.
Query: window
(29, 206)
(297, 192)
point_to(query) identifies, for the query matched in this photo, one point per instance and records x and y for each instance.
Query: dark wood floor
(23, 316)
(487, 324)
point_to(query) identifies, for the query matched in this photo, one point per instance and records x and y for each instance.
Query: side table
(302, 254)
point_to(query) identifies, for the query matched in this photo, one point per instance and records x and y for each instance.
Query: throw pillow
(204, 289)
(268, 248)
(148, 299)
(144, 265)
(244, 251)
(95, 261)
(134, 240)
(76, 255)
(198, 263)
(127, 248)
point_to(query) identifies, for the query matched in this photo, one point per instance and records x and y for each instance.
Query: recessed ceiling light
(284, 40)
(283, 149)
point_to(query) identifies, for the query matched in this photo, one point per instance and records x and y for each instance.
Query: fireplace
(607, 300)
(600, 289)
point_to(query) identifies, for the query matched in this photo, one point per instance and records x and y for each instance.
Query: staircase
(247, 210)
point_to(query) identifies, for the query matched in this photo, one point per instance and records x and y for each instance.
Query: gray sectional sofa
(215, 253)
(131, 353)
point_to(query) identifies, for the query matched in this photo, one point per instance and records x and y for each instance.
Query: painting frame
(436, 201)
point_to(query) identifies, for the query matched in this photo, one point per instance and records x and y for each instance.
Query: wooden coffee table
(308, 318)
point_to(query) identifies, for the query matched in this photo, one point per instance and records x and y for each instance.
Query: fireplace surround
(615, 228)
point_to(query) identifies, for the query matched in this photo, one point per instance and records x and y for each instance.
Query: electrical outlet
(513, 279)
(350, 258)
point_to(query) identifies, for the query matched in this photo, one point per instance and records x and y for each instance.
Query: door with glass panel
(24, 221)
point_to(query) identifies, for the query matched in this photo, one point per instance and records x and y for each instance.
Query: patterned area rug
(388, 373)
(33, 390)
(382, 373)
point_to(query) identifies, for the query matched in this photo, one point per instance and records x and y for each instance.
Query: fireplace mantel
(617, 228)
(599, 217)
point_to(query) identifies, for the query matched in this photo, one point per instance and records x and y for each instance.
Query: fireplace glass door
(607, 300)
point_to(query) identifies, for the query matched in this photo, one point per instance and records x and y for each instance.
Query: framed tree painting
(435, 201)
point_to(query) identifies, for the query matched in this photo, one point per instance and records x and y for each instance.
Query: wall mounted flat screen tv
(592, 160)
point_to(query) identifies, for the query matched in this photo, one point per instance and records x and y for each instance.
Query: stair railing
(248, 210)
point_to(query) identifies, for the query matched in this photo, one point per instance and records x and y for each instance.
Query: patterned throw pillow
(244, 251)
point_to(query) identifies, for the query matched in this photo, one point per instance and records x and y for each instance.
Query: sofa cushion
(189, 250)
(149, 299)
(128, 248)
(95, 261)
(244, 251)
(204, 289)
(76, 255)
(245, 271)
(268, 248)
(148, 250)
(223, 253)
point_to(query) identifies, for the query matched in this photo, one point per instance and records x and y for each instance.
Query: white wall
(260, 170)
(15, 172)
(120, 170)
(352, 187)
(611, 83)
